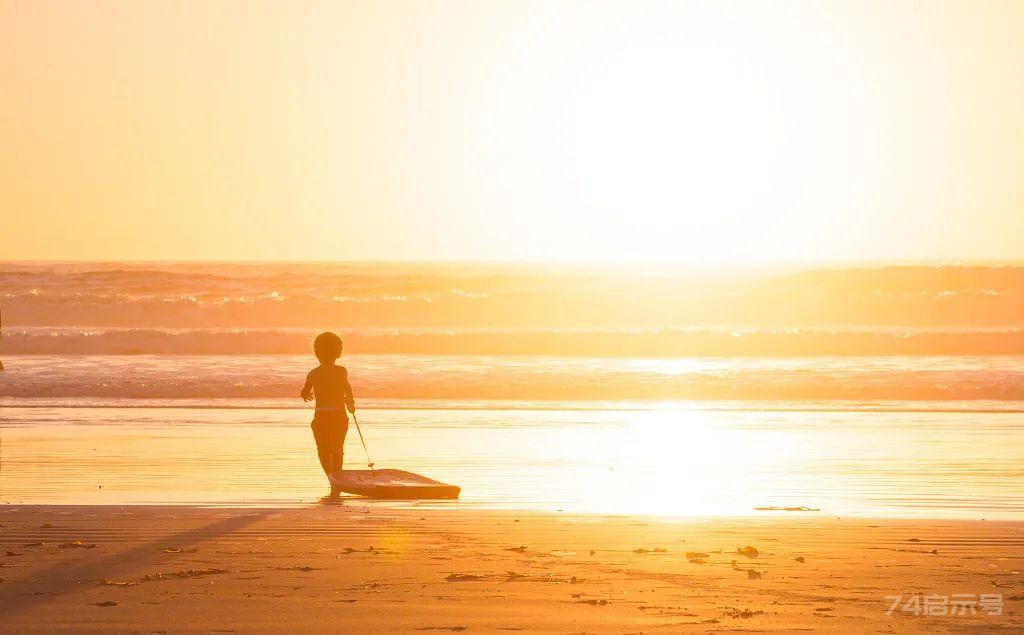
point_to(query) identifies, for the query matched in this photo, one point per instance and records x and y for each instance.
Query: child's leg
(324, 446)
(340, 443)
(335, 443)
(334, 453)
(334, 457)
(329, 434)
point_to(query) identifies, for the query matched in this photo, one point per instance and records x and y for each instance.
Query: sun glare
(682, 146)
(697, 133)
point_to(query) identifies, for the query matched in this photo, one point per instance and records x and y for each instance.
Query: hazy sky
(693, 132)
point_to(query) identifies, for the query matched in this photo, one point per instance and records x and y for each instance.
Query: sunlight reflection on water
(661, 462)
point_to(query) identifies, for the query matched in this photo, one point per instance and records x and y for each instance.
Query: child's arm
(307, 388)
(350, 400)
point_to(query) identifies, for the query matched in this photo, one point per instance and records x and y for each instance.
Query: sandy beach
(359, 567)
(711, 313)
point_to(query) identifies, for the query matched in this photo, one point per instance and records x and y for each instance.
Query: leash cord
(369, 461)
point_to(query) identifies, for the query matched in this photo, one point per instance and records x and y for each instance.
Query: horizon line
(625, 266)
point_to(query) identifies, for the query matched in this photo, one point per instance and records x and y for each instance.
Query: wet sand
(360, 567)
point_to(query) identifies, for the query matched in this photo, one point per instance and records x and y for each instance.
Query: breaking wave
(644, 343)
(221, 296)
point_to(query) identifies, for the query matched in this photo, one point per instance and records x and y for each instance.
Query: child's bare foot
(335, 493)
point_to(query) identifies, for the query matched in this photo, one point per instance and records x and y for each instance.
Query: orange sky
(694, 133)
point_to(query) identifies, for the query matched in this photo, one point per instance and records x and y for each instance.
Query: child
(329, 383)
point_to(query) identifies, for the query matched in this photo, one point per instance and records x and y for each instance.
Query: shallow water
(881, 391)
(441, 378)
(654, 460)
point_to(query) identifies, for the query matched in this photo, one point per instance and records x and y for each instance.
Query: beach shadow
(60, 579)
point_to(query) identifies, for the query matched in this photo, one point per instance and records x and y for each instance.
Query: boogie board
(392, 484)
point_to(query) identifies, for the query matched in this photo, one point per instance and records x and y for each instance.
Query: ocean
(880, 391)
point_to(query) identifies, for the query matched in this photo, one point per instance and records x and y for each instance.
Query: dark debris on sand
(188, 573)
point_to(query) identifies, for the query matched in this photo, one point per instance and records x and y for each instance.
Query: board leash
(369, 461)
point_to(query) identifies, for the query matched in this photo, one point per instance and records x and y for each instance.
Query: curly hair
(327, 347)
